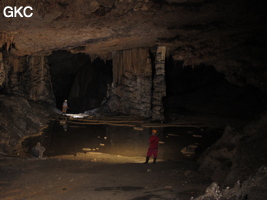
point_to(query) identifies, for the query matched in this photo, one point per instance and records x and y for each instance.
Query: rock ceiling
(103, 26)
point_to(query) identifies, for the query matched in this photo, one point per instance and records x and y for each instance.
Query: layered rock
(28, 77)
(20, 119)
(131, 89)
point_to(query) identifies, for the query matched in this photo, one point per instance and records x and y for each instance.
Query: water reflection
(129, 141)
(64, 124)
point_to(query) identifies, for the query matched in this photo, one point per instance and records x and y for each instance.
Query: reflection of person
(38, 150)
(65, 126)
(65, 106)
(153, 147)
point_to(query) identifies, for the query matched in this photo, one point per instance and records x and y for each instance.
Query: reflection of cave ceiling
(103, 26)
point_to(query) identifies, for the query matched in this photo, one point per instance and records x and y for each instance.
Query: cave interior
(198, 63)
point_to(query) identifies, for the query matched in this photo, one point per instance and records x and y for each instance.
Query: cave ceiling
(102, 26)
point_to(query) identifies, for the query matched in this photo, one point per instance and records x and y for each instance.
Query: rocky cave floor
(97, 175)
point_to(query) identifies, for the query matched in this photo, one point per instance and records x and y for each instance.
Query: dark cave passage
(204, 91)
(84, 83)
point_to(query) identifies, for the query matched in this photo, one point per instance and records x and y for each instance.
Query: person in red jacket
(153, 147)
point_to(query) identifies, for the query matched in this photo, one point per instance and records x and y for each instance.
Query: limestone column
(2, 70)
(132, 82)
(159, 85)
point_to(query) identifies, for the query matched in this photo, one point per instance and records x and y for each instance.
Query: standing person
(153, 147)
(65, 107)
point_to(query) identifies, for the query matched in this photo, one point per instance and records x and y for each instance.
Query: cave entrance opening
(80, 80)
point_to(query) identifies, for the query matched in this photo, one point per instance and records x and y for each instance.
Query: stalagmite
(159, 85)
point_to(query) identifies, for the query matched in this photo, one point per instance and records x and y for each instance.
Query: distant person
(38, 150)
(65, 107)
(153, 147)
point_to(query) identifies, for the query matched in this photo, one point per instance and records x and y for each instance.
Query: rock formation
(112, 53)
(132, 82)
(21, 119)
(159, 85)
(237, 154)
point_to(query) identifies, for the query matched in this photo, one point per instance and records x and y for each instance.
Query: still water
(127, 141)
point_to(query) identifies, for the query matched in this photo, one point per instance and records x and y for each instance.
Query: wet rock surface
(237, 154)
(20, 119)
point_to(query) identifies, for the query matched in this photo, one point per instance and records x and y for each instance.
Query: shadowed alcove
(201, 90)
(84, 83)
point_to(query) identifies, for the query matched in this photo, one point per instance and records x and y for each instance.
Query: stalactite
(134, 60)
(6, 40)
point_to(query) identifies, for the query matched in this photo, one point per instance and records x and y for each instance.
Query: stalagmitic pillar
(159, 85)
(2, 70)
(132, 82)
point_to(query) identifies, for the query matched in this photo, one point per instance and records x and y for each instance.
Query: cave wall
(27, 77)
(238, 154)
(19, 119)
(239, 56)
(26, 100)
(239, 63)
(131, 89)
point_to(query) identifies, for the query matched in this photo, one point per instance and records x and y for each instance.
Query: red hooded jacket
(154, 142)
